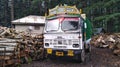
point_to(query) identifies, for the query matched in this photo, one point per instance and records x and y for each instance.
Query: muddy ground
(100, 57)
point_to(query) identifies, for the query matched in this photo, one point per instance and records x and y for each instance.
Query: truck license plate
(49, 51)
(59, 54)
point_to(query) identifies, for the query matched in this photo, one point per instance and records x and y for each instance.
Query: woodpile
(9, 51)
(111, 41)
(18, 47)
(32, 48)
(10, 33)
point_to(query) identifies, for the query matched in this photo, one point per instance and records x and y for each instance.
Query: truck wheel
(88, 49)
(82, 56)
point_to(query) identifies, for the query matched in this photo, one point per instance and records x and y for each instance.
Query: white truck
(67, 33)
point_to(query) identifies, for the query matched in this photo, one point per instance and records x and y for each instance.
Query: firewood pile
(18, 47)
(8, 51)
(10, 33)
(111, 41)
(31, 48)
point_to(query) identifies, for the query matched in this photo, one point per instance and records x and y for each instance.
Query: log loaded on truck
(67, 33)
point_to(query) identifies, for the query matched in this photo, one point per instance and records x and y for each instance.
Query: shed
(99, 30)
(30, 24)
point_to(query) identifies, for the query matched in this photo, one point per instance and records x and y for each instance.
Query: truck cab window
(52, 25)
(70, 24)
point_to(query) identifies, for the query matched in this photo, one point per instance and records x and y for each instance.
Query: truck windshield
(52, 25)
(69, 24)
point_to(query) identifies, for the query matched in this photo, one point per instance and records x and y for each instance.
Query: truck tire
(82, 56)
(88, 49)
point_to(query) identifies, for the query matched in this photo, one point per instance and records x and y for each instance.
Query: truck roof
(62, 15)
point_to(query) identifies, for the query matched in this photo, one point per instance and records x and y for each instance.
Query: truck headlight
(75, 45)
(47, 44)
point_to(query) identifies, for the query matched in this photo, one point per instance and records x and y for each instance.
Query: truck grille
(60, 47)
(62, 41)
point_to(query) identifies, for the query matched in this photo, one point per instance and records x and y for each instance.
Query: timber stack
(31, 48)
(9, 51)
(18, 47)
(111, 41)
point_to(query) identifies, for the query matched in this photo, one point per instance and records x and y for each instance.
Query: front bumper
(63, 52)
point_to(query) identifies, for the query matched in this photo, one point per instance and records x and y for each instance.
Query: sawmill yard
(100, 57)
(18, 48)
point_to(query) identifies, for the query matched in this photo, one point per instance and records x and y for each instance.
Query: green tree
(104, 13)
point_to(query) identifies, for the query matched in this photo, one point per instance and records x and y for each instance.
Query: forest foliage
(102, 13)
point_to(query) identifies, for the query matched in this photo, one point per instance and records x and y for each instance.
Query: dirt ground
(100, 57)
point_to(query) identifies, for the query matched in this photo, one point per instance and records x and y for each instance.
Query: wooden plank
(6, 54)
(7, 48)
(8, 44)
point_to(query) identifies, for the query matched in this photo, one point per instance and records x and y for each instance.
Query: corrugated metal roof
(30, 20)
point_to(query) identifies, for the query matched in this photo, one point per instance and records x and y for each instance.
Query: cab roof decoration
(59, 10)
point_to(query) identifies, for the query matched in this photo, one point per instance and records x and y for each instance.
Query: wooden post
(12, 10)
